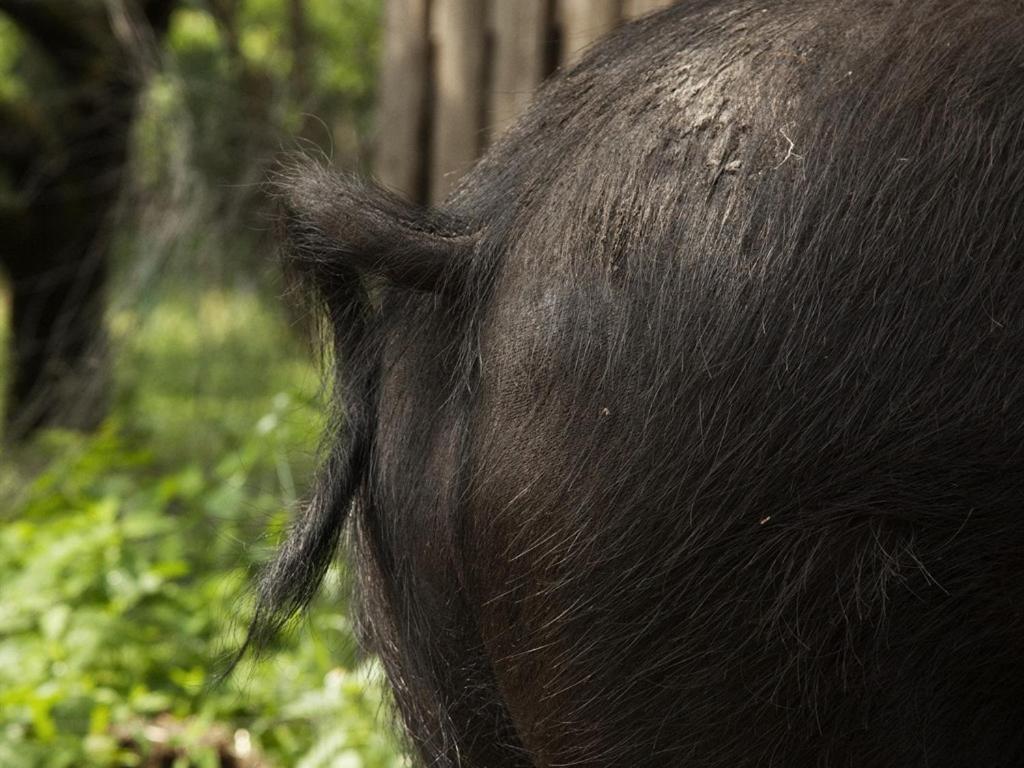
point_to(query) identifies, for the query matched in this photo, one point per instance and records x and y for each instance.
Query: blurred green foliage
(11, 86)
(125, 558)
(126, 555)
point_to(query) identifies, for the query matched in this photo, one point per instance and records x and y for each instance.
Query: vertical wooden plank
(402, 103)
(459, 27)
(634, 9)
(583, 23)
(519, 28)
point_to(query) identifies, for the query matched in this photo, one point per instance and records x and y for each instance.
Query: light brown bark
(518, 30)
(402, 106)
(459, 28)
(634, 9)
(584, 22)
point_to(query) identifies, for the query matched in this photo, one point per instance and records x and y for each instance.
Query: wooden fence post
(519, 30)
(402, 111)
(455, 69)
(634, 9)
(583, 23)
(459, 28)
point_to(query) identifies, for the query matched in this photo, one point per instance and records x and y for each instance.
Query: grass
(125, 557)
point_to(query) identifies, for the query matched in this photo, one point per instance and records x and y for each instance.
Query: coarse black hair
(690, 430)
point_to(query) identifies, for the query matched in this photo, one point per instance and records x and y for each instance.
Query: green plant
(125, 558)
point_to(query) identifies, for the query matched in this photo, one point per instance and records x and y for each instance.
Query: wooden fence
(457, 72)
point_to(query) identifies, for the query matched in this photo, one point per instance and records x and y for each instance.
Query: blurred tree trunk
(459, 34)
(584, 22)
(519, 31)
(298, 29)
(225, 12)
(403, 118)
(300, 79)
(253, 88)
(634, 9)
(66, 164)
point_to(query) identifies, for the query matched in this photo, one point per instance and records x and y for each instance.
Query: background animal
(689, 430)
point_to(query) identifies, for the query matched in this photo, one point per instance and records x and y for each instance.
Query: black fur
(691, 431)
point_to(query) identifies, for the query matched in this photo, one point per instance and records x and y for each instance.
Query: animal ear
(337, 224)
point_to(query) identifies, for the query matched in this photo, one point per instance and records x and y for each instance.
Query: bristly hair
(691, 430)
(342, 236)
